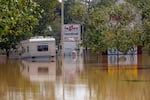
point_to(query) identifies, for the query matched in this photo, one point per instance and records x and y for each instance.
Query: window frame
(42, 48)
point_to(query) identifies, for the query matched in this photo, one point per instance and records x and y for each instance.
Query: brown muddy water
(82, 78)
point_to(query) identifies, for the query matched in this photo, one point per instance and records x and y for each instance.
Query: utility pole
(62, 45)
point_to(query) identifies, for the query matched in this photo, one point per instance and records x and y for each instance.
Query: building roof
(41, 38)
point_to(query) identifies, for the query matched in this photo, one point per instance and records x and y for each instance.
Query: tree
(16, 21)
(101, 3)
(143, 7)
(110, 26)
(76, 11)
(95, 34)
(68, 4)
(125, 28)
(49, 24)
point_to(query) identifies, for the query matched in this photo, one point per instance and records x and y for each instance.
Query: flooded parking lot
(82, 78)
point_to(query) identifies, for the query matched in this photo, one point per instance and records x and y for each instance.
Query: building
(72, 39)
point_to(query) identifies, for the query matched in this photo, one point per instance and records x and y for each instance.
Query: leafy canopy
(143, 7)
(16, 21)
(116, 26)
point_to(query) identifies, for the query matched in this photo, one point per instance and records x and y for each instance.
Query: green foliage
(102, 3)
(124, 30)
(76, 12)
(96, 31)
(50, 17)
(144, 8)
(113, 27)
(16, 21)
(108, 24)
(67, 6)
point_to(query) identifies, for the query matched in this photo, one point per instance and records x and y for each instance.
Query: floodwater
(81, 78)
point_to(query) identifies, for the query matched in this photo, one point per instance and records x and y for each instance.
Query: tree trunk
(149, 50)
(7, 53)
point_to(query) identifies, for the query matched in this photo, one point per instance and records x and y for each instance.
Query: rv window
(23, 50)
(27, 48)
(42, 48)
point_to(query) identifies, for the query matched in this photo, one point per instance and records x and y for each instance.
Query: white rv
(37, 47)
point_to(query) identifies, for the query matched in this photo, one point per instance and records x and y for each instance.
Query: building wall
(51, 49)
(32, 51)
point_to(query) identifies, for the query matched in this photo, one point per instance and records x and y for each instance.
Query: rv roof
(41, 38)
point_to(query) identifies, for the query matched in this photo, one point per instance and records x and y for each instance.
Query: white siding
(33, 51)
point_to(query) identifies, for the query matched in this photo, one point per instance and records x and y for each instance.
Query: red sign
(72, 32)
(73, 28)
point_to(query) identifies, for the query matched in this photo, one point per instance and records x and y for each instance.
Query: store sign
(72, 32)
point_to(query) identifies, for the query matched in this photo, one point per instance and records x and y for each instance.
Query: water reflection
(120, 78)
(123, 66)
(106, 87)
(127, 67)
(127, 78)
(42, 74)
(12, 85)
(122, 60)
(39, 71)
(75, 87)
(73, 69)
